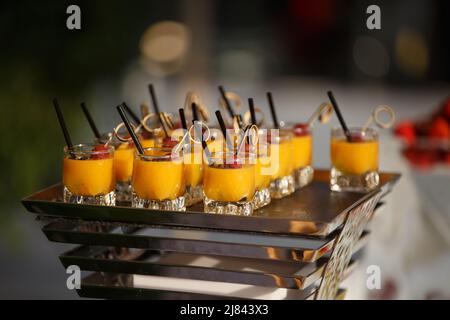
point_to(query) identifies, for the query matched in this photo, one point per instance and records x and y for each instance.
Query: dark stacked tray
(299, 247)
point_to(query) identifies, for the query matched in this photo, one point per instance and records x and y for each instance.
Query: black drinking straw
(224, 129)
(339, 115)
(194, 112)
(276, 124)
(251, 105)
(182, 118)
(156, 107)
(130, 130)
(62, 123)
(133, 115)
(227, 103)
(90, 120)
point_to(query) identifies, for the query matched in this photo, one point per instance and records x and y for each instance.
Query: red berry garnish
(100, 151)
(356, 137)
(405, 130)
(301, 129)
(169, 143)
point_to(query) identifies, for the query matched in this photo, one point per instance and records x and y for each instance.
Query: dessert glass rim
(88, 149)
(369, 132)
(218, 156)
(168, 155)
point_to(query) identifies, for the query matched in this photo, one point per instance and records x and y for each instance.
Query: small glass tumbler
(158, 180)
(229, 183)
(354, 162)
(282, 183)
(262, 177)
(88, 175)
(123, 165)
(302, 155)
(193, 172)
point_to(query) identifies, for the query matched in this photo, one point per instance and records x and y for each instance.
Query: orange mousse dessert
(193, 173)
(302, 155)
(262, 177)
(281, 163)
(355, 160)
(123, 161)
(158, 180)
(229, 184)
(88, 174)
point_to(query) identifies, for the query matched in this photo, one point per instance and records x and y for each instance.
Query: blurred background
(297, 49)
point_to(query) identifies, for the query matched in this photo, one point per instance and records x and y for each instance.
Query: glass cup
(123, 165)
(229, 183)
(262, 177)
(354, 163)
(158, 180)
(282, 182)
(193, 172)
(302, 155)
(88, 175)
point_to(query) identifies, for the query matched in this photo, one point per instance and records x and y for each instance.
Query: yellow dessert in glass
(229, 184)
(282, 183)
(262, 177)
(123, 161)
(158, 180)
(88, 174)
(302, 155)
(193, 173)
(355, 160)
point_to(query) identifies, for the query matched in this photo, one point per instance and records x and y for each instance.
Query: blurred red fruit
(405, 130)
(356, 137)
(439, 129)
(421, 158)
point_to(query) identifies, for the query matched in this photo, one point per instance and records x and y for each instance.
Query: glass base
(303, 176)
(178, 204)
(355, 183)
(282, 187)
(262, 198)
(103, 200)
(123, 191)
(239, 208)
(193, 195)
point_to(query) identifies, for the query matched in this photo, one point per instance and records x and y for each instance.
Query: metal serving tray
(312, 211)
(125, 286)
(262, 273)
(195, 241)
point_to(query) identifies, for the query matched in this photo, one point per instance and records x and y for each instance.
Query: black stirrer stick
(194, 112)
(339, 115)
(91, 121)
(156, 107)
(276, 124)
(251, 105)
(182, 118)
(62, 123)
(223, 128)
(133, 115)
(227, 102)
(130, 129)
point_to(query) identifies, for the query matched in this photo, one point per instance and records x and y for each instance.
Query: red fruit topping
(406, 131)
(100, 151)
(439, 129)
(356, 137)
(301, 129)
(169, 143)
